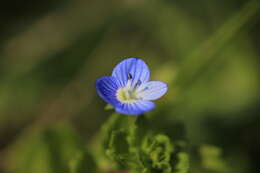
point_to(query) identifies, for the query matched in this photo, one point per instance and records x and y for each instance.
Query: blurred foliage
(211, 159)
(56, 149)
(51, 53)
(83, 162)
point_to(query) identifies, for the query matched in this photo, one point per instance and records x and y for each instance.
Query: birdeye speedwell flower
(129, 90)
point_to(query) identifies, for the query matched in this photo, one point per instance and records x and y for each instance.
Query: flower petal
(106, 88)
(131, 68)
(152, 90)
(137, 108)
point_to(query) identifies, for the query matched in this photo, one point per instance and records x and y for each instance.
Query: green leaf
(115, 122)
(118, 149)
(158, 150)
(115, 140)
(131, 144)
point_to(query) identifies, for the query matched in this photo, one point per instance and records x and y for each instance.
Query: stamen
(129, 76)
(138, 83)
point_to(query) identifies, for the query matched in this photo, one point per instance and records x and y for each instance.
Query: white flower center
(128, 94)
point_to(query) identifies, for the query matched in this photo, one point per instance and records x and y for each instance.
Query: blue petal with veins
(129, 90)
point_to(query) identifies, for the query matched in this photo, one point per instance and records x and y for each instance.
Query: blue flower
(129, 90)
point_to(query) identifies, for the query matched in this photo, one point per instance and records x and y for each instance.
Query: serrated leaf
(158, 150)
(118, 148)
(131, 144)
(115, 122)
(115, 137)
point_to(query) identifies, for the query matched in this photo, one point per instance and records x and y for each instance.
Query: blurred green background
(51, 53)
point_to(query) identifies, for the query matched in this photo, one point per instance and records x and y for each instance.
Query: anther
(138, 83)
(129, 76)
